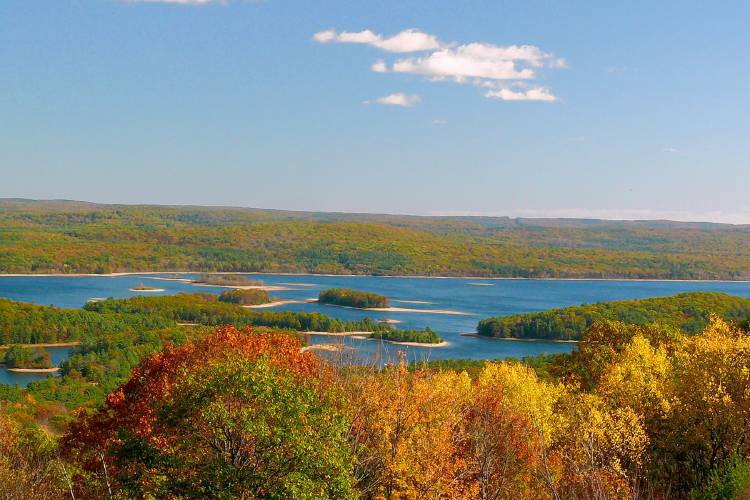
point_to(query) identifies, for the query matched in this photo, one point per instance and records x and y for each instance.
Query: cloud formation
(410, 40)
(379, 66)
(399, 99)
(533, 94)
(499, 69)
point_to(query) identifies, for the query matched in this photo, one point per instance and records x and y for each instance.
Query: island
(245, 297)
(22, 358)
(229, 280)
(409, 337)
(144, 288)
(353, 298)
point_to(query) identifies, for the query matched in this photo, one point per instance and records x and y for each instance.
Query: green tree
(245, 429)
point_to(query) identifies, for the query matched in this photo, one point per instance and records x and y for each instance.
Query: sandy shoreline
(407, 309)
(33, 370)
(444, 343)
(267, 288)
(274, 304)
(140, 273)
(514, 339)
(367, 336)
(398, 309)
(150, 290)
(50, 344)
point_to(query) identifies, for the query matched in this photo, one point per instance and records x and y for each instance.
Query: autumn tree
(233, 414)
(29, 467)
(711, 421)
(405, 429)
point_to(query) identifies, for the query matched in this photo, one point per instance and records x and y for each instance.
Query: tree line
(690, 312)
(70, 238)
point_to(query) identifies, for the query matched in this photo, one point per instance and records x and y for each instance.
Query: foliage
(22, 323)
(248, 297)
(352, 298)
(729, 482)
(637, 411)
(687, 311)
(28, 464)
(227, 280)
(426, 336)
(18, 356)
(232, 414)
(205, 309)
(70, 237)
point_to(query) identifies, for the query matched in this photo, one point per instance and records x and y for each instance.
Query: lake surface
(57, 356)
(477, 298)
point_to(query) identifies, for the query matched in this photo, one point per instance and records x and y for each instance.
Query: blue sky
(616, 110)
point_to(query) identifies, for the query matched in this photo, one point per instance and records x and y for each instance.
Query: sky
(634, 110)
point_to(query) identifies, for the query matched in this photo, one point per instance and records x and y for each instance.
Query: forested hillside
(243, 413)
(688, 312)
(73, 237)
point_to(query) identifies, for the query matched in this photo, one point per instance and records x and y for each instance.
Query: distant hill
(62, 236)
(688, 312)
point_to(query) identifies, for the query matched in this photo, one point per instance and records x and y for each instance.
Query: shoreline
(33, 370)
(515, 339)
(49, 344)
(497, 278)
(150, 290)
(443, 343)
(398, 309)
(274, 304)
(265, 288)
(367, 336)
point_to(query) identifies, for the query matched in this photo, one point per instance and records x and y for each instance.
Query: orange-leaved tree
(232, 414)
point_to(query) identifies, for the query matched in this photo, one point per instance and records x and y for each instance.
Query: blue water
(57, 356)
(498, 297)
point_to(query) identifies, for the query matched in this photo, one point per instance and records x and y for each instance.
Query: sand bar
(267, 288)
(33, 370)
(274, 304)
(424, 311)
(49, 344)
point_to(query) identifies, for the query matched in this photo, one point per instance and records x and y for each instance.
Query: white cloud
(458, 65)
(398, 99)
(671, 150)
(534, 94)
(410, 40)
(501, 69)
(326, 36)
(379, 67)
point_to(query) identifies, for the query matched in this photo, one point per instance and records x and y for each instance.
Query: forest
(17, 356)
(352, 298)
(76, 237)
(689, 312)
(637, 411)
(248, 297)
(425, 336)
